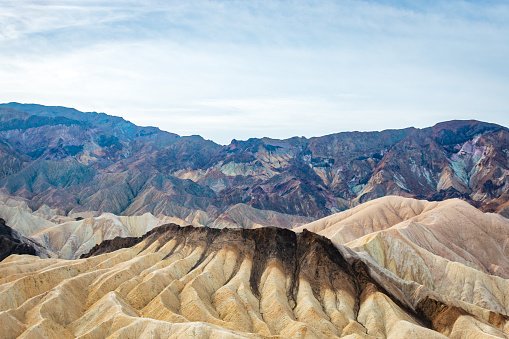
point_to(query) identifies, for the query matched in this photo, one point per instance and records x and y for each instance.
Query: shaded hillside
(11, 242)
(81, 162)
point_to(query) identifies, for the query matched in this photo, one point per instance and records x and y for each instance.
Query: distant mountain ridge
(75, 162)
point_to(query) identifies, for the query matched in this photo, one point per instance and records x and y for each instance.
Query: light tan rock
(70, 240)
(405, 268)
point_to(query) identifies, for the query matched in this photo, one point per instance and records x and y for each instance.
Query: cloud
(238, 69)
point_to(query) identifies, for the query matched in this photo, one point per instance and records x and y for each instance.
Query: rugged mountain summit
(78, 162)
(391, 267)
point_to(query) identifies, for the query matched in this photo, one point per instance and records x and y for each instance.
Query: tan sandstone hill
(225, 283)
(449, 247)
(451, 229)
(72, 239)
(16, 212)
(393, 268)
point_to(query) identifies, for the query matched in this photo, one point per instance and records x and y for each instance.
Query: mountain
(75, 162)
(236, 283)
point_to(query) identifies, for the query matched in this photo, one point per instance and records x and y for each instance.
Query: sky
(241, 69)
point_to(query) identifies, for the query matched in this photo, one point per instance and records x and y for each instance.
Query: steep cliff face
(201, 282)
(79, 162)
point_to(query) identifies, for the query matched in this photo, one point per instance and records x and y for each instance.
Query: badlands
(392, 267)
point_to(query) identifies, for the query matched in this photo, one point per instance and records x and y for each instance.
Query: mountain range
(80, 164)
(111, 230)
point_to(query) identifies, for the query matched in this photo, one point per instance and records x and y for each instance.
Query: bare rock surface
(202, 282)
(448, 249)
(96, 187)
(451, 229)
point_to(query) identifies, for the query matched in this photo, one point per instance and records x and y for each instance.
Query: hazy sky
(240, 69)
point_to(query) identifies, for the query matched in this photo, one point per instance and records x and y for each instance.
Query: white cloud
(242, 69)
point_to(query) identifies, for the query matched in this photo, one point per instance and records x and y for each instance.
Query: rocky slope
(202, 282)
(75, 162)
(450, 229)
(12, 242)
(449, 247)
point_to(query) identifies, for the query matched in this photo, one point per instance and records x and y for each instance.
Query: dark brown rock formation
(11, 242)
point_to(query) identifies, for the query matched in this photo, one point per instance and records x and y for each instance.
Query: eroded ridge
(200, 282)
